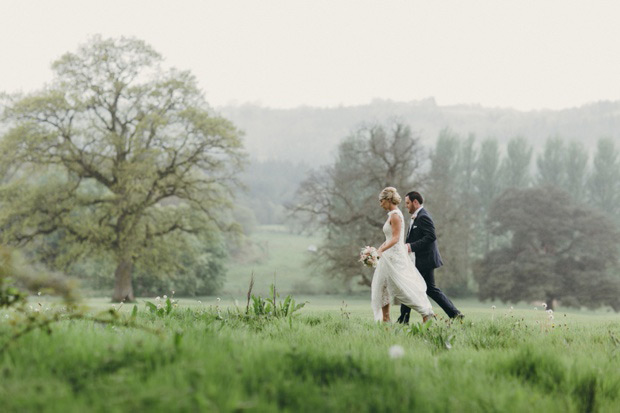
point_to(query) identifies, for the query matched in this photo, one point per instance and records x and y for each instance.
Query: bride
(396, 278)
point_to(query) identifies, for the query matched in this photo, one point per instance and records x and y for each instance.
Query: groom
(422, 241)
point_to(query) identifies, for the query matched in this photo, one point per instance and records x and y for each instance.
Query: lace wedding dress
(396, 279)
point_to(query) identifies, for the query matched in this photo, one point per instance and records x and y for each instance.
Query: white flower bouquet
(369, 256)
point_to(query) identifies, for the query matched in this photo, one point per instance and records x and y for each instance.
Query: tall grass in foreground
(218, 359)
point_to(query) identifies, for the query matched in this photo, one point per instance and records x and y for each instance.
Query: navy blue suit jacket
(423, 242)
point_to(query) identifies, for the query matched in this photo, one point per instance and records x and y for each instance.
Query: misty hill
(310, 135)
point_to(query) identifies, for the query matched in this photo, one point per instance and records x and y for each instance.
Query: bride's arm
(395, 224)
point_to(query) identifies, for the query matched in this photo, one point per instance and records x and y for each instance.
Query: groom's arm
(425, 224)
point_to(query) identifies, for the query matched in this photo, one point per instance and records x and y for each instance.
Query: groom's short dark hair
(415, 195)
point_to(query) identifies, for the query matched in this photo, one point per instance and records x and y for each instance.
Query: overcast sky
(285, 53)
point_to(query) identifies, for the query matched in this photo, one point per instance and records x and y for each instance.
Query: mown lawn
(327, 357)
(282, 255)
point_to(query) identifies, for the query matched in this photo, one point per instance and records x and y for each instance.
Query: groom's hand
(409, 248)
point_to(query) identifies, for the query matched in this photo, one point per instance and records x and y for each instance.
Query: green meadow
(212, 354)
(276, 254)
(324, 357)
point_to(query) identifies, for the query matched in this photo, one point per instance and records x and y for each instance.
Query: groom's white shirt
(414, 216)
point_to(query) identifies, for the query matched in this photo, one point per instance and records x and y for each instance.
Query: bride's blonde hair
(390, 194)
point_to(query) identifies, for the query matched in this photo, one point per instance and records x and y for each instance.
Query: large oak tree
(117, 156)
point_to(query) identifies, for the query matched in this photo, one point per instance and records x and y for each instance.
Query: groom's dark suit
(423, 242)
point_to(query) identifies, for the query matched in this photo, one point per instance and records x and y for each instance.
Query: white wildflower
(544, 305)
(493, 307)
(172, 292)
(396, 351)
(39, 293)
(165, 297)
(218, 299)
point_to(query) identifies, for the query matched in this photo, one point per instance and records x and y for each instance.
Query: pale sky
(286, 53)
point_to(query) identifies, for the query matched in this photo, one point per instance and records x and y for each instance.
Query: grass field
(207, 355)
(327, 357)
(286, 257)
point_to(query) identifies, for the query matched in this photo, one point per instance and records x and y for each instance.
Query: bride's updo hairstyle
(390, 194)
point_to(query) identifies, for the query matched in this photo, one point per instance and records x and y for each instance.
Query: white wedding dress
(396, 279)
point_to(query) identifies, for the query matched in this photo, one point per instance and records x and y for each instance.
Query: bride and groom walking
(405, 274)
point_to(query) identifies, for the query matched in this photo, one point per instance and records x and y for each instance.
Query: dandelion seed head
(396, 351)
(39, 293)
(218, 299)
(165, 297)
(544, 305)
(157, 298)
(493, 307)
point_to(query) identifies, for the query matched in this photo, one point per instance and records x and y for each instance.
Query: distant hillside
(311, 134)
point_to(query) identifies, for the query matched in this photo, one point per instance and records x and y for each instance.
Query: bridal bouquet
(369, 256)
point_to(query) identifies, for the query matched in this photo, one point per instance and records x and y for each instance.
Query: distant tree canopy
(556, 249)
(117, 159)
(310, 134)
(342, 199)
(270, 186)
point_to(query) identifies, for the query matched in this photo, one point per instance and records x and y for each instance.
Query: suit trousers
(433, 292)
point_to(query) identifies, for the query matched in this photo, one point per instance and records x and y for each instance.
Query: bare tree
(341, 199)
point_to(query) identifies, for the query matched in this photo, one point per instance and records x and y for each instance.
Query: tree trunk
(123, 290)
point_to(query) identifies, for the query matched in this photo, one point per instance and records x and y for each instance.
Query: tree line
(482, 197)
(119, 166)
